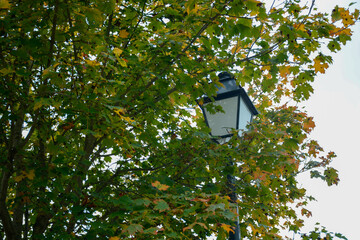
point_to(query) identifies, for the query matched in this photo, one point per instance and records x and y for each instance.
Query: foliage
(320, 232)
(97, 139)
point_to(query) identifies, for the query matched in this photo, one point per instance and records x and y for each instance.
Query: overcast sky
(335, 106)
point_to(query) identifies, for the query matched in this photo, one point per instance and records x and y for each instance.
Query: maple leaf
(119, 111)
(117, 51)
(161, 205)
(337, 31)
(19, 178)
(235, 49)
(114, 238)
(320, 66)
(159, 186)
(4, 4)
(123, 34)
(122, 62)
(6, 71)
(30, 175)
(133, 228)
(306, 212)
(346, 18)
(227, 228)
(309, 124)
(193, 224)
(284, 71)
(300, 27)
(68, 126)
(92, 63)
(331, 176)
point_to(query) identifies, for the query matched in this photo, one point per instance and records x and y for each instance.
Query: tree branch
(8, 225)
(194, 38)
(53, 32)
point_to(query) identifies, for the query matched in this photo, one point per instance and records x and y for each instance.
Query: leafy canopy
(101, 136)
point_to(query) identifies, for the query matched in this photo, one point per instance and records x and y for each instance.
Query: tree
(101, 135)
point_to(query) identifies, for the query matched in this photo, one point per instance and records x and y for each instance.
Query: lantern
(236, 104)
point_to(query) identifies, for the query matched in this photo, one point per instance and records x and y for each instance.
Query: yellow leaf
(346, 18)
(123, 34)
(235, 49)
(195, 9)
(114, 238)
(335, 31)
(119, 111)
(227, 228)
(300, 27)
(37, 105)
(117, 51)
(266, 68)
(6, 71)
(46, 71)
(346, 31)
(122, 62)
(92, 63)
(19, 178)
(30, 175)
(284, 71)
(4, 4)
(172, 100)
(127, 119)
(320, 66)
(338, 31)
(55, 65)
(56, 104)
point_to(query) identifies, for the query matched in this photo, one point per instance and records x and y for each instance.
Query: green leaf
(214, 207)
(134, 228)
(161, 205)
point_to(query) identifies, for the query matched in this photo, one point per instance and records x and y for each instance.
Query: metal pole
(231, 186)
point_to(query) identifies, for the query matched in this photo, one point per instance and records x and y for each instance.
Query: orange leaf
(306, 212)
(235, 49)
(123, 34)
(30, 175)
(338, 31)
(193, 224)
(309, 124)
(159, 186)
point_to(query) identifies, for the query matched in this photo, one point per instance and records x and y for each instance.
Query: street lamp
(236, 104)
(238, 111)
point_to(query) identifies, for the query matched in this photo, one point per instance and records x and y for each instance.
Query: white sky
(335, 106)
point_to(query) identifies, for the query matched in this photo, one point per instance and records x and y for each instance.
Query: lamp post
(238, 112)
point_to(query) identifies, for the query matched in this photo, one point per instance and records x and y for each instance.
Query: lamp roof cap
(225, 76)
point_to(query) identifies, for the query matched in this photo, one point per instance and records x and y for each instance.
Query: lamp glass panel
(221, 123)
(244, 116)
